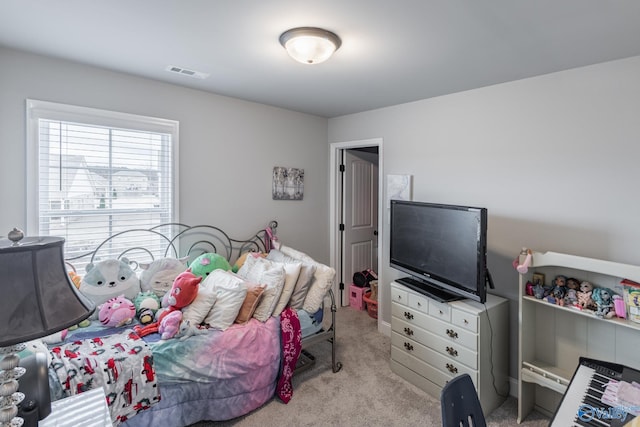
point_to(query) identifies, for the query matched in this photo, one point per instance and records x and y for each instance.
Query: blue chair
(460, 404)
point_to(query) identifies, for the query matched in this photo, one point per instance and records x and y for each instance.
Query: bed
(213, 370)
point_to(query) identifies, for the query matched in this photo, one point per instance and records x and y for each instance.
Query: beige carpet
(364, 393)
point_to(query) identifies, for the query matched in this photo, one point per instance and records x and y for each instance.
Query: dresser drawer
(399, 295)
(454, 334)
(419, 303)
(410, 315)
(440, 310)
(465, 320)
(454, 351)
(441, 368)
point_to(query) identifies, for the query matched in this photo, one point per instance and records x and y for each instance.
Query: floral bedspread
(122, 364)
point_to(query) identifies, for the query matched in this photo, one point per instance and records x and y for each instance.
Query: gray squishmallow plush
(109, 279)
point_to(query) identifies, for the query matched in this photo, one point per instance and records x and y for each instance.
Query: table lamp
(37, 298)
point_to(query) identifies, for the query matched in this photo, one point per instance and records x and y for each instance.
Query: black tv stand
(432, 291)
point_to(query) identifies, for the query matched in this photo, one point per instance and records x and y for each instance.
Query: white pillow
(263, 272)
(230, 291)
(305, 278)
(291, 272)
(197, 311)
(322, 280)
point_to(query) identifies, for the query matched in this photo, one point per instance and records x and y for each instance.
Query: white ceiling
(393, 51)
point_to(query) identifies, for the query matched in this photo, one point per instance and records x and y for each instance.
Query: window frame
(36, 110)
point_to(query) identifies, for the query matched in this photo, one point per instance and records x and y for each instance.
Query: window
(93, 173)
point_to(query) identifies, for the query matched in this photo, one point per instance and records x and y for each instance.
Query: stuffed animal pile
(154, 302)
(183, 292)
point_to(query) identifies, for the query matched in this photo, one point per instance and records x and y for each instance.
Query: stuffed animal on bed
(183, 291)
(147, 304)
(206, 263)
(108, 279)
(158, 276)
(170, 325)
(117, 312)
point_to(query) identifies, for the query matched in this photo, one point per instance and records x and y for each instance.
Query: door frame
(335, 155)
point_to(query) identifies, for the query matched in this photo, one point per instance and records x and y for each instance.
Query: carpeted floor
(364, 393)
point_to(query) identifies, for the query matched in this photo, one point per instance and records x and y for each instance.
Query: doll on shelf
(603, 299)
(557, 295)
(584, 296)
(571, 294)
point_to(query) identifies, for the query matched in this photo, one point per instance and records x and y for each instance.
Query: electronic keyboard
(600, 394)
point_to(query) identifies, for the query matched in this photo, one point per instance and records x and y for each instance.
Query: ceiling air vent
(186, 72)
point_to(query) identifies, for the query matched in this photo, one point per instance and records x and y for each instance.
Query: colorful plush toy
(170, 325)
(108, 279)
(147, 304)
(117, 312)
(187, 330)
(158, 276)
(183, 292)
(206, 263)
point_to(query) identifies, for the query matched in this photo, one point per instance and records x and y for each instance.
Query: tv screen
(442, 248)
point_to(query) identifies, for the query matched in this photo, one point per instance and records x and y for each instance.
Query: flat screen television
(442, 248)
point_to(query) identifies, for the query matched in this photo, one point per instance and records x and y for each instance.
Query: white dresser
(432, 342)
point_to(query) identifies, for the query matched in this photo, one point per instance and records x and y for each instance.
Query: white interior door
(360, 214)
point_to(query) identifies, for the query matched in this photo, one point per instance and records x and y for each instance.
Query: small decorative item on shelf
(571, 295)
(584, 296)
(603, 298)
(529, 288)
(538, 279)
(619, 306)
(632, 297)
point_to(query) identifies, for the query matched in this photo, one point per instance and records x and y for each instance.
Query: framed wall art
(288, 183)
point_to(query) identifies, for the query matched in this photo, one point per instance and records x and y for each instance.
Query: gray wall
(553, 158)
(228, 147)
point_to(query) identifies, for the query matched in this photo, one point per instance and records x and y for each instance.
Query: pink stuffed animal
(170, 324)
(117, 312)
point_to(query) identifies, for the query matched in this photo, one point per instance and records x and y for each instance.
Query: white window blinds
(95, 173)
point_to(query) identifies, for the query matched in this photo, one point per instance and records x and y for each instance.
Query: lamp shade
(310, 45)
(37, 297)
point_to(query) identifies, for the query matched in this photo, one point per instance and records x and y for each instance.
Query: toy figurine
(603, 298)
(529, 288)
(560, 281)
(571, 295)
(538, 291)
(557, 295)
(584, 296)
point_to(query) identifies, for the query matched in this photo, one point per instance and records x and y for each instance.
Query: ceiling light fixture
(310, 45)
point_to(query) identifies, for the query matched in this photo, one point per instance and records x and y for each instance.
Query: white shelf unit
(432, 342)
(552, 338)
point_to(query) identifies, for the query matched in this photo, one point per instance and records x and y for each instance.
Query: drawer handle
(452, 368)
(419, 304)
(408, 315)
(452, 333)
(408, 331)
(452, 351)
(466, 322)
(441, 312)
(408, 346)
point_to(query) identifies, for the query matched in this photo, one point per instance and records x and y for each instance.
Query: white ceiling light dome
(310, 45)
